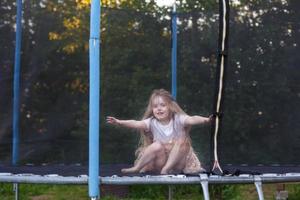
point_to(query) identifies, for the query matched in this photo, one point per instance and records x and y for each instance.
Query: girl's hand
(212, 118)
(112, 120)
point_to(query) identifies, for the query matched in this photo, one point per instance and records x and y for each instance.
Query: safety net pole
(174, 52)
(94, 99)
(16, 85)
(174, 62)
(221, 66)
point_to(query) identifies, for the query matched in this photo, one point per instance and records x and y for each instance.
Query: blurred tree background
(261, 116)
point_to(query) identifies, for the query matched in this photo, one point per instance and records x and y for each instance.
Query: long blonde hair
(147, 138)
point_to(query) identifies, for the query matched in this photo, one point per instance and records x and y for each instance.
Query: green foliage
(222, 192)
(148, 192)
(295, 191)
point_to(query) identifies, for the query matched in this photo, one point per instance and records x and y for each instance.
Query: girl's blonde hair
(147, 138)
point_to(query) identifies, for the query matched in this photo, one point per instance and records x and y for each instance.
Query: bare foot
(129, 170)
(164, 172)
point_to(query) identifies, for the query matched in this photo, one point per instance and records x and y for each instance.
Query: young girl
(165, 141)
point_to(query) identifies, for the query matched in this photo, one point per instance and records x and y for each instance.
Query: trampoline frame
(203, 179)
(149, 179)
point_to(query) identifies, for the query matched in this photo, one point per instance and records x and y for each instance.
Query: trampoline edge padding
(150, 180)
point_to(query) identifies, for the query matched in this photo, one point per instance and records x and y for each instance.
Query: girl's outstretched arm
(196, 119)
(126, 123)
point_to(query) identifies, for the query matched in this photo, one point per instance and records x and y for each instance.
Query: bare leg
(160, 161)
(150, 154)
(156, 164)
(177, 155)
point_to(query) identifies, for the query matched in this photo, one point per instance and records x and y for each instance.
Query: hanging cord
(224, 21)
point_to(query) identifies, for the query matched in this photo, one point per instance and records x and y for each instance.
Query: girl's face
(161, 109)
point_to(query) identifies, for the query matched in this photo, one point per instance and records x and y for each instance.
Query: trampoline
(237, 64)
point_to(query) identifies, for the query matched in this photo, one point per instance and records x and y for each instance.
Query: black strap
(217, 114)
(223, 53)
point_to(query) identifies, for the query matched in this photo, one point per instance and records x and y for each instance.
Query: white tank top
(166, 133)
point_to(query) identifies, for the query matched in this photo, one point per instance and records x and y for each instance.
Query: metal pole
(16, 92)
(204, 185)
(16, 87)
(174, 52)
(16, 190)
(94, 101)
(258, 185)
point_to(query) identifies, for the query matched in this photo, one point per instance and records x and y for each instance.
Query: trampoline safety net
(261, 104)
(261, 108)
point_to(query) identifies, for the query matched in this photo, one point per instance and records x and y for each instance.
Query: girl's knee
(157, 147)
(183, 145)
(182, 142)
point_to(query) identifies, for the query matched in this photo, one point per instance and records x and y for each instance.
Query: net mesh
(135, 59)
(261, 107)
(261, 115)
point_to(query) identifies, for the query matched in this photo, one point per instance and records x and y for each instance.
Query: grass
(44, 192)
(144, 192)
